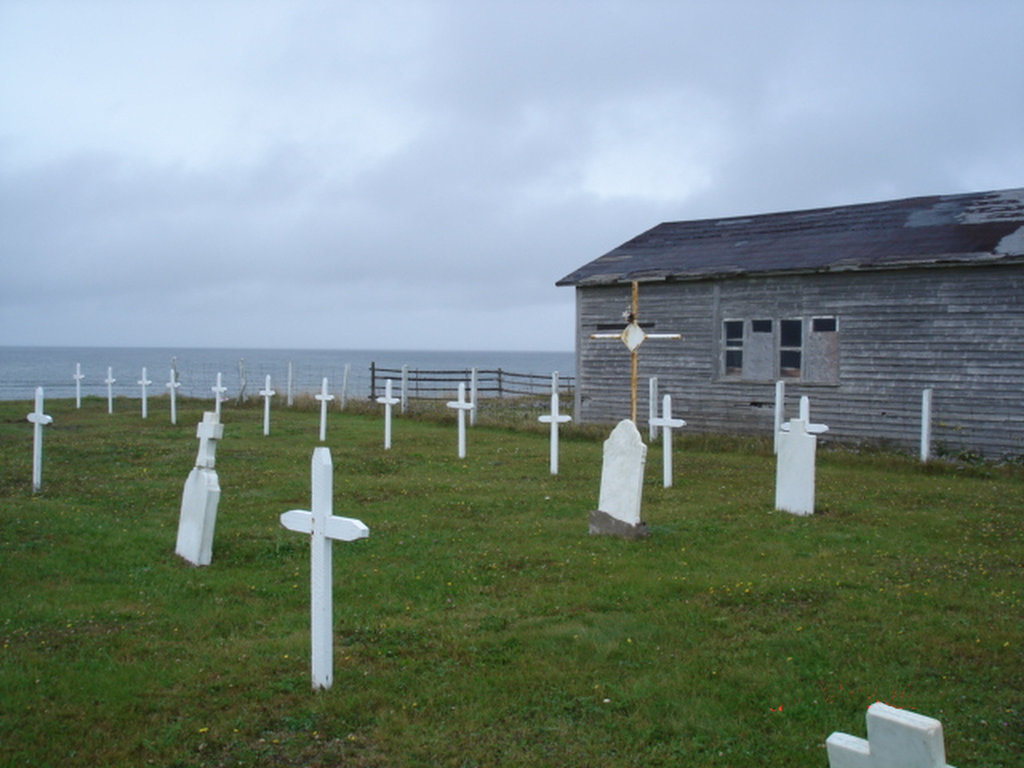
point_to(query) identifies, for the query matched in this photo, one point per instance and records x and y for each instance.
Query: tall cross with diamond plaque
(633, 336)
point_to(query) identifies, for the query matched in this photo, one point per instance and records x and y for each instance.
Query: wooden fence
(443, 384)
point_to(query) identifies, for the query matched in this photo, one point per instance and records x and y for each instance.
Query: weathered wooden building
(859, 307)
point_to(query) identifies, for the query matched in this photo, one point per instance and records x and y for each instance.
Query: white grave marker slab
(461, 405)
(200, 497)
(78, 376)
(324, 399)
(39, 420)
(622, 483)
(266, 393)
(667, 424)
(173, 384)
(897, 738)
(144, 383)
(387, 401)
(109, 381)
(795, 467)
(323, 527)
(554, 418)
(218, 395)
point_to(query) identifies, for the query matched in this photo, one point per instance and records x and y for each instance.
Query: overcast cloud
(417, 175)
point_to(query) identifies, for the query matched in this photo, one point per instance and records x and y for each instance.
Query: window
(821, 352)
(791, 342)
(733, 347)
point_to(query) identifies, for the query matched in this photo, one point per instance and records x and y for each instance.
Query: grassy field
(479, 625)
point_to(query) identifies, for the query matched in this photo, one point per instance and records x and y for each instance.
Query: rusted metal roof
(979, 228)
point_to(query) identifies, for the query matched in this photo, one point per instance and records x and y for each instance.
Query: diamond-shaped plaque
(633, 336)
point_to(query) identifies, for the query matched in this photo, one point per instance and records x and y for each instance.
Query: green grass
(479, 625)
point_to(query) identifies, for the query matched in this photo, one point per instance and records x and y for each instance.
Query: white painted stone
(622, 482)
(38, 420)
(897, 738)
(323, 527)
(266, 393)
(324, 397)
(461, 405)
(200, 497)
(795, 469)
(554, 418)
(144, 383)
(218, 395)
(667, 424)
(173, 384)
(387, 401)
(78, 376)
(109, 381)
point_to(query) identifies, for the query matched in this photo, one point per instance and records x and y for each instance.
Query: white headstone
(173, 384)
(387, 401)
(218, 395)
(795, 467)
(324, 399)
(200, 497)
(323, 527)
(266, 393)
(78, 376)
(667, 424)
(554, 418)
(109, 381)
(897, 738)
(144, 382)
(622, 483)
(38, 420)
(461, 405)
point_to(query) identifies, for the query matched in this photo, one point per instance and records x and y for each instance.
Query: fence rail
(441, 384)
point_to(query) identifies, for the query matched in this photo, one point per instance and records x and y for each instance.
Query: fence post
(373, 380)
(405, 387)
(926, 424)
(472, 397)
(291, 377)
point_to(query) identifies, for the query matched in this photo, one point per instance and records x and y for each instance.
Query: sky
(404, 174)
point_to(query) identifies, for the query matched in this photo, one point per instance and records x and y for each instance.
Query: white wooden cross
(78, 376)
(144, 382)
(266, 393)
(554, 419)
(805, 417)
(633, 336)
(667, 424)
(218, 390)
(39, 420)
(897, 738)
(173, 385)
(323, 527)
(324, 399)
(461, 405)
(387, 401)
(209, 431)
(109, 381)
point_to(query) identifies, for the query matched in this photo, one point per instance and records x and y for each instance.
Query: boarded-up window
(821, 352)
(759, 358)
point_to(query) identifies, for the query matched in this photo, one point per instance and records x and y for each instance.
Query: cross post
(554, 418)
(896, 737)
(667, 424)
(323, 527)
(387, 401)
(266, 393)
(218, 390)
(461, 405)
(173, 385)
(39, 420)
(109, 381)
(324, 399)
(633, 336)
(78, 376)
(144, 382)
(209, 431)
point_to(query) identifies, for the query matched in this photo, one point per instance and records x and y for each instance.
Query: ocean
(22, 369)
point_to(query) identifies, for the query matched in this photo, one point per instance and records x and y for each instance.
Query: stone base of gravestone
(603, 524)
(198, 516)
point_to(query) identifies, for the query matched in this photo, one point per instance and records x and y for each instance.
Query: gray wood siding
(958, 330)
